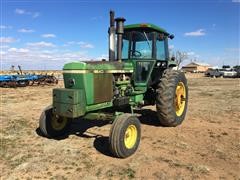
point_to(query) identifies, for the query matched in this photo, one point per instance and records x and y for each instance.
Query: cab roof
(146, 26)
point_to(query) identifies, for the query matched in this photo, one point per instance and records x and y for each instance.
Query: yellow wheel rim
(58, 123)
(180, 98)
(130, 137)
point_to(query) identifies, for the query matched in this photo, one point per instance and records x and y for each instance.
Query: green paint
(75, 65)
(141, 88)
(81, 81)
(98, 65)
(88, 84)
(102, 116)
(137, 92)
(68, 110)
(86, 80)
(99, 116)
(98, 106)
(85, 83)
(77, 78)
(137, 98)
(142, 83)
(69, 96)
(122, 82)
(69, 102)
(146, 25)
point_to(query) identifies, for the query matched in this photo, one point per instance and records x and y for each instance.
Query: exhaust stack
(111, 34)
(119, 32)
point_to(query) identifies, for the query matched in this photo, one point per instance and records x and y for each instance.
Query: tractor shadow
(148, 117)
(101, 144)
(79, 128)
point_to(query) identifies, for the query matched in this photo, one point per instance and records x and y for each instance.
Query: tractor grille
(103, 88)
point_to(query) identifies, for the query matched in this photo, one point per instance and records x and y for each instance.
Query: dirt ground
(205, 146)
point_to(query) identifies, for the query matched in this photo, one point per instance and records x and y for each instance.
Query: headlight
(71, 82)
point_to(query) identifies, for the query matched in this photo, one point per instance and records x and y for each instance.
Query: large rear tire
(172, 98)
(125, 135)
(52, 125)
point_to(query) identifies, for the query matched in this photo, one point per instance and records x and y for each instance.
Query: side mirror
(173, 58)
(171, 36)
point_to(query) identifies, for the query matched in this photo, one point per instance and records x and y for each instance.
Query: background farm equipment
(19, 79)
(43, 80)
(26, 80)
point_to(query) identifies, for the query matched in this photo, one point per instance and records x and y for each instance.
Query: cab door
(143, 69)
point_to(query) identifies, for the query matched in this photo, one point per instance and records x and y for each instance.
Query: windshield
(137, 45)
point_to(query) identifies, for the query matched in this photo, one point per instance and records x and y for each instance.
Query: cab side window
(125, 49)
(160, 45)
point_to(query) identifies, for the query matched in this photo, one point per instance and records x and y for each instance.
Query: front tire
(172, 98)
(125, 135)
(52, 125)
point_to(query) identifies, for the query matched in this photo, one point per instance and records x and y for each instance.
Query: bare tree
(180, 57)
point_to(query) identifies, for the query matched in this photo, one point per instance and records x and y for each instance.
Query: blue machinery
(26, 80)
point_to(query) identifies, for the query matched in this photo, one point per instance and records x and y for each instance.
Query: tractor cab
(146, 45)
(145, 41)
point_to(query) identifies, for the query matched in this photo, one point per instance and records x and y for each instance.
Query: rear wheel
(172, 98)
(52, 125)
(125, 135)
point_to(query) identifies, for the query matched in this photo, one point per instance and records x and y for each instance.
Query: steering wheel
(136, 53)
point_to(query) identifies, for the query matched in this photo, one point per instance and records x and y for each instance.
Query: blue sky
(46, 34)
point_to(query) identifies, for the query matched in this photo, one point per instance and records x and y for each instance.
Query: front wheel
(172, 98)
(125, 135)
(52, 125)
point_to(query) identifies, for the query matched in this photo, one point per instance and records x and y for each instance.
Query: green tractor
(139, 73)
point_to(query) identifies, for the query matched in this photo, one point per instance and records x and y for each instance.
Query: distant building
(196, 67)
